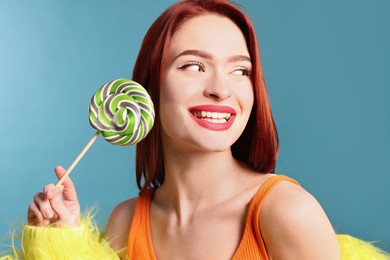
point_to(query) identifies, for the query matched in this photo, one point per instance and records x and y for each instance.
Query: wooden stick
(93, 139)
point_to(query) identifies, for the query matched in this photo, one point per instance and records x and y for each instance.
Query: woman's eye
(242, 72)
(193, 66)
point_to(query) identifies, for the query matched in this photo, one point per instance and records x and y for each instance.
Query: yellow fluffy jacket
(86, 242)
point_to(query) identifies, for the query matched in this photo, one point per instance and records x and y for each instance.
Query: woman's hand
(55, 206)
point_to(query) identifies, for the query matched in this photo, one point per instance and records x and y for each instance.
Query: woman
(205, 172)
(208, 89)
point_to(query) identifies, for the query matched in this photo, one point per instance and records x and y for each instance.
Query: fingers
(44, 205)
(64, 200)
(68, 212)
(40, 212)
(55, 205)
(59, 171)
(49, 191)
(69, 191)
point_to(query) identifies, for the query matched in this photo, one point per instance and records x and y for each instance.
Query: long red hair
(259, 143)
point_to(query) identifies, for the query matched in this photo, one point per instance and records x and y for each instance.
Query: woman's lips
(212, 117)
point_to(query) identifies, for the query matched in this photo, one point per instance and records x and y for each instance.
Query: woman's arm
(294, 225)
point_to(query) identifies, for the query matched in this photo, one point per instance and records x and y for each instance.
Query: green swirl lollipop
(122, 111)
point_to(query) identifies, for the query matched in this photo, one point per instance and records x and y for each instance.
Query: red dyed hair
(257, 146)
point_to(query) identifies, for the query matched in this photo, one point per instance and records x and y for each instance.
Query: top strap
(140, 243)
(252, 245)
(263, 192)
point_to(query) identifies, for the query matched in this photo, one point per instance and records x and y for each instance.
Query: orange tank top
(251, 245)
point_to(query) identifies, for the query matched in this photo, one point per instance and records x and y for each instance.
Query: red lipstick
(207, 122)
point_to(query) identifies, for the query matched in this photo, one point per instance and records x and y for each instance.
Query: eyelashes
(242, 71)
(196, 66)
(193, 66)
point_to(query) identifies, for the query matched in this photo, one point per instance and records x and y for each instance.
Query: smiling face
(206, 93)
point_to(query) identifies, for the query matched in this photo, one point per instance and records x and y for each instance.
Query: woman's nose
(217, 88)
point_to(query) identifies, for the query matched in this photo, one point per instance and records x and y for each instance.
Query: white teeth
(214, 117)
(215, 120)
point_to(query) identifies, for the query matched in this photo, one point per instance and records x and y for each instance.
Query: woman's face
(206, 93)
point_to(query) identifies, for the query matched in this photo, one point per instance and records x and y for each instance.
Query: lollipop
(122, 111)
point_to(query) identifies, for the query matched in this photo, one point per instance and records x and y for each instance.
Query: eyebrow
(208, 56)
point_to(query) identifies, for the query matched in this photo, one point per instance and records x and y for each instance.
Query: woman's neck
(197, 180)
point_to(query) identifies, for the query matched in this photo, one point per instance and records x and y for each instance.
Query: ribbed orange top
(251, 246)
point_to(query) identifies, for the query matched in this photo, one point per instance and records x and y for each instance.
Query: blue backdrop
(327, 68)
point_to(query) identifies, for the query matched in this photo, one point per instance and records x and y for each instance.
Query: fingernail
(48, 213)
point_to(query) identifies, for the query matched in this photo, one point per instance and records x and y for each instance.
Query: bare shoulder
(294, 225)
(119, 224)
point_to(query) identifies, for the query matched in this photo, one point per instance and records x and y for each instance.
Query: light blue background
(327, 68)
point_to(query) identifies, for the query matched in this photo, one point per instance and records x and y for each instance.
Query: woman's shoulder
(124, 210)
(292, 221)
(119, 223)
(286, 197)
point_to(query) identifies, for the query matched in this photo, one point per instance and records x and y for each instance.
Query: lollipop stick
(93, 139)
